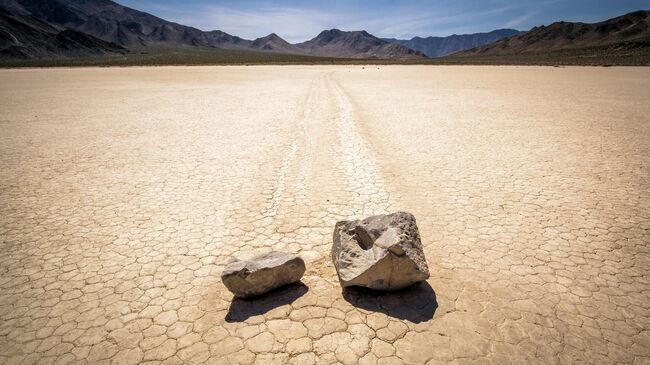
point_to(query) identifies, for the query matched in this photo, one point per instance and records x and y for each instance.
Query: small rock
(249, 278)
(382, 252)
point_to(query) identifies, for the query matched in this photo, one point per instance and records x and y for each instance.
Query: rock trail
(369, 194)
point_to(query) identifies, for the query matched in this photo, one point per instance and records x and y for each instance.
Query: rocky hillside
(118, 24)
(442, 46)
(628, 31)
(274, 43)
(23, 37)
(358, 44)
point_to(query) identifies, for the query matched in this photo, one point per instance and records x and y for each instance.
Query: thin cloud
(442, 22)
(292, 24)
(296, 24)
(519, 20)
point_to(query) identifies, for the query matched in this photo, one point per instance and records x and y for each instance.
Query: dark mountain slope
(442, 46)
(23, 37)
(358, 44)
(628, 31)
(115, 23)
(273, 43)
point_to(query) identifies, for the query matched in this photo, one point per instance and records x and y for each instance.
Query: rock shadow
(416, 303)
(242, 309)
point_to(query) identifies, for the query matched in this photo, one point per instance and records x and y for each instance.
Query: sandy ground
(124, 191)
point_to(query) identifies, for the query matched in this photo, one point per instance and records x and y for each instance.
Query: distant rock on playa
(250, 278)
(382, 252)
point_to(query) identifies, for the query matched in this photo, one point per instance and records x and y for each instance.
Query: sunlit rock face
(250, 278)
(381, 252)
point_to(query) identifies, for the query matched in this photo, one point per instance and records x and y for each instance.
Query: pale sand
(124, 191)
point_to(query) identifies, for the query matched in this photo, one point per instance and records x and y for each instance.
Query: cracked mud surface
(123, 192)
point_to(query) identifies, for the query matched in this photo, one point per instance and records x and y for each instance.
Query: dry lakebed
(125, 191)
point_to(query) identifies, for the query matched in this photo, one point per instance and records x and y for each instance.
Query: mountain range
(629, 31)
(50, 29)
(126, 27)
(123, 27)
(442, 46)
(360, 44)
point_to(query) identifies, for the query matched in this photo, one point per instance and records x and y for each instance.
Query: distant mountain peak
(274, 43)
(442, 46)
(355, 44)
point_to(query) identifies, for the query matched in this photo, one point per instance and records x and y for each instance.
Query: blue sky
(297, 21)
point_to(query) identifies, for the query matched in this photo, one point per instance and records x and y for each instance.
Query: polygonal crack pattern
(125, 191)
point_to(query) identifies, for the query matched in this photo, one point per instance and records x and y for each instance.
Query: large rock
(249, 278)
(382, 252)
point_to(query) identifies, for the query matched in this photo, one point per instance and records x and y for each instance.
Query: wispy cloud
(517, 21)
(299, 24)
(440, 22)
(293, 24)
